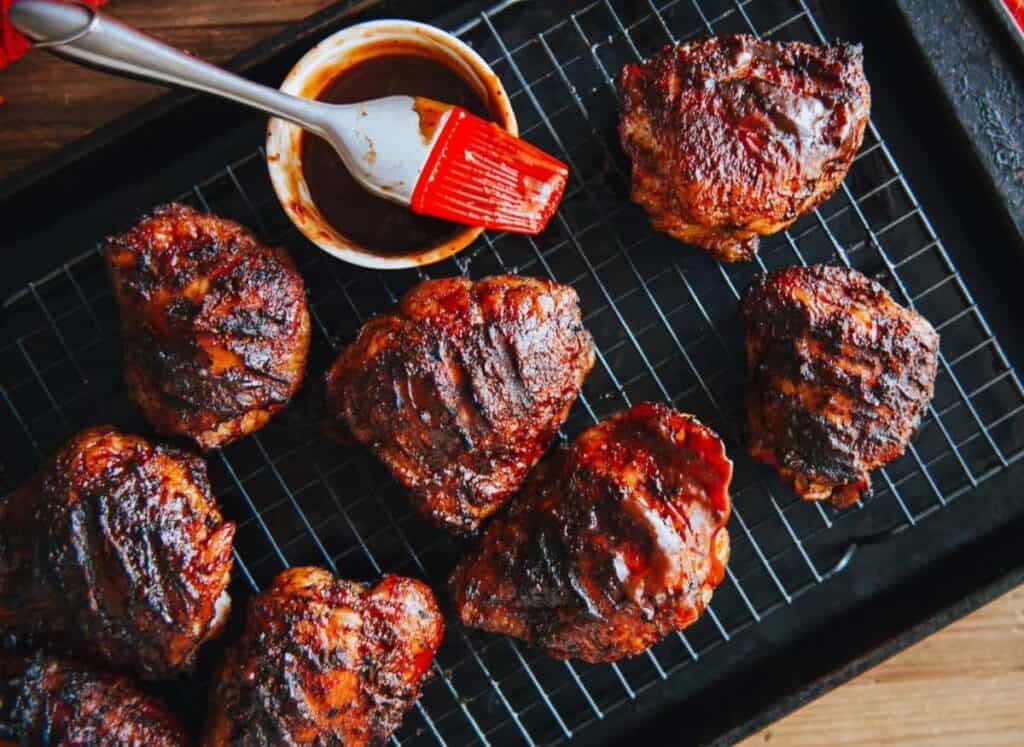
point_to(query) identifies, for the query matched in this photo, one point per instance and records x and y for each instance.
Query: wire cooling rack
(664, 321)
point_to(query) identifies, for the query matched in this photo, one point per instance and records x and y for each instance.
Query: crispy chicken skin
(614, 542)
(214, 324)
(62, 703)
(839, 375)
(461, 390)
(731, 137)
(117, 551)
(325, 661)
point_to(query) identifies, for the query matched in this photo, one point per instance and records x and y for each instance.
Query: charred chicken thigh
(839, 376)
(731, 137)
(117, 551)
(62, 703)
(214, 324)
(325, 661)
(613, 543)
(462, 389)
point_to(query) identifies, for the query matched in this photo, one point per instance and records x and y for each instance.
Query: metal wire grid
(663, 318)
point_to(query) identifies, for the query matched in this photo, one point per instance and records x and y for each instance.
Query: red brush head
(480, 175)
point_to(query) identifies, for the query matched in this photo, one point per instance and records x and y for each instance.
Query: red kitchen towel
(1016, 8)
(13, 44)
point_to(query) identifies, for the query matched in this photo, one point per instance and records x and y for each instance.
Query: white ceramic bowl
(316, 70)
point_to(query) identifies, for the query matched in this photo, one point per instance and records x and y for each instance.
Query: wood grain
(962, 686)
(51, 102)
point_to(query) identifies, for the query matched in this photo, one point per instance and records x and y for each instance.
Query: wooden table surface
(962, 686)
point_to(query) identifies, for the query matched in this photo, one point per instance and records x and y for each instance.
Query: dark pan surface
(664, 320)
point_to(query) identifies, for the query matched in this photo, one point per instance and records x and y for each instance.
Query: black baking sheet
(664, 319)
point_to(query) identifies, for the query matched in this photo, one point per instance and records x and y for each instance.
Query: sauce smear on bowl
(370, 221)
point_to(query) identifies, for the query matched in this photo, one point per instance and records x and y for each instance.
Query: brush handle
(85, 35)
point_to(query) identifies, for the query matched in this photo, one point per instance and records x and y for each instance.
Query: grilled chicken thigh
(614, 542)
(324, 661)
(117, 551)
(215, 324)
(731, 137)
(61, 703)
(462, 389)
(839, 377)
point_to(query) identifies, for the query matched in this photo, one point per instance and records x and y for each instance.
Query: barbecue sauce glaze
(370, 221)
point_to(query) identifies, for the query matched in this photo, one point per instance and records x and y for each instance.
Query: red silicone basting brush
(477, 173)
(435, 158)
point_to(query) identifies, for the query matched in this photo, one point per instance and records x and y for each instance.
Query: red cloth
(12, 44)
(1016, 8)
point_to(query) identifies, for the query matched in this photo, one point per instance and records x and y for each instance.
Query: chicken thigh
(61, 703)
(325, 661)
(732, 137)
(839, 376)
(614, 542)
(116, 551)
(214, 324)
(463, 388)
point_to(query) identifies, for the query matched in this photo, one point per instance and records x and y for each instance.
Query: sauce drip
(370, 221)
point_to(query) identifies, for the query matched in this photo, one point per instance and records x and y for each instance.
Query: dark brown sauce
(370, 221)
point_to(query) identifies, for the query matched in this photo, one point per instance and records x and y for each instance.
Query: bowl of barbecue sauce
(368, 61)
